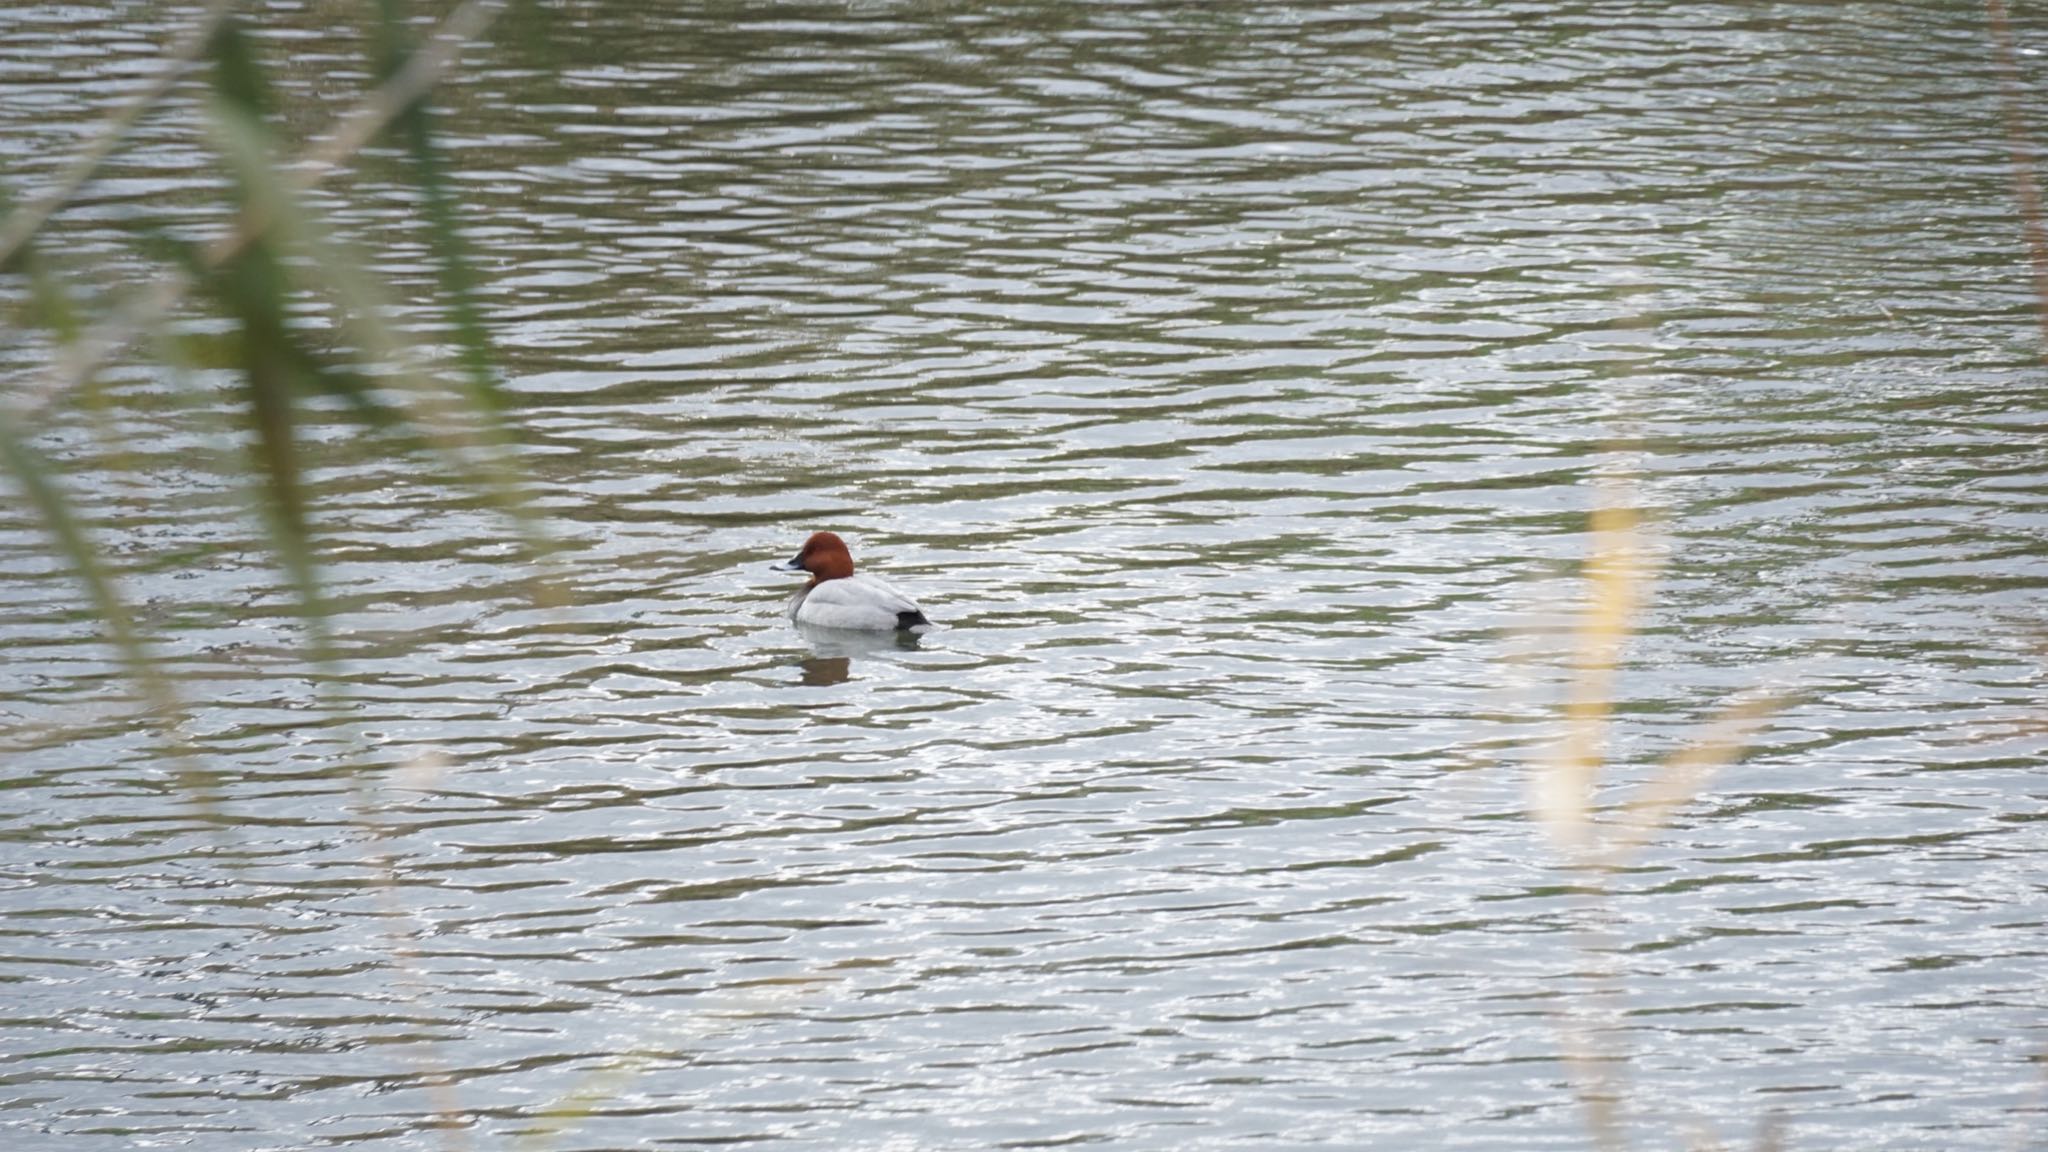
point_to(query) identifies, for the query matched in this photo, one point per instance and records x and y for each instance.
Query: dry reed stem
(1684, 776)
(375, 817)
(581, 1102)
(1618, 572)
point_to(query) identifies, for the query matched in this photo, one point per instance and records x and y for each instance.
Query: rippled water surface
(1232, 382)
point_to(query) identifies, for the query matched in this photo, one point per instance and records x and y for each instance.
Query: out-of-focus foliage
(238, 298)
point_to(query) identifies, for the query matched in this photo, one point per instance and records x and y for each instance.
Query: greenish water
(1232, 382)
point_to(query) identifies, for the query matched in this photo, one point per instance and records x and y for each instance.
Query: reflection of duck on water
(833, 649)
(825, 671)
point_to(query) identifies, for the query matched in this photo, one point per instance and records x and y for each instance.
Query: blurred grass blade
(274, 441)
(1770, 1134)
(50, 304)
(1596, 1073)
(1617, 574)
(1683, 776)
(351, 132)
(237, 78)
(245, 292)
(54, 306)
(468, 434)
(287, 225)
(49, 300)
(253, 286)
(23, 224)
(603, 1084)
(451, 255)
(38, 484)
(457, 278)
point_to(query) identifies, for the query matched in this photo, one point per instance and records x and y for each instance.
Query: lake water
(1232, 382)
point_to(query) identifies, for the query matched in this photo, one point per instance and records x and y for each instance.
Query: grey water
(1232, 382)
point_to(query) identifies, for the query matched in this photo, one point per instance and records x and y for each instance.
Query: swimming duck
(836, 598)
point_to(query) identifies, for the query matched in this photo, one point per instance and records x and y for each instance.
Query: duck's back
(861, 602)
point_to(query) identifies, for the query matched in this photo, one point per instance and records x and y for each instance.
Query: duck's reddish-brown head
(824, 556)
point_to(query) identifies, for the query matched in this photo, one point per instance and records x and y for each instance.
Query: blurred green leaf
(451, 255)
(36, 478)
(253, 287)
(457, 279)
(272, 374)
(269, 277)
(236, 76)
(38, 483)
(50, 302)
(293, 236)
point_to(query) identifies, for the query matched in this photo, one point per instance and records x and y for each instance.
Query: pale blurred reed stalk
(1599, 837)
